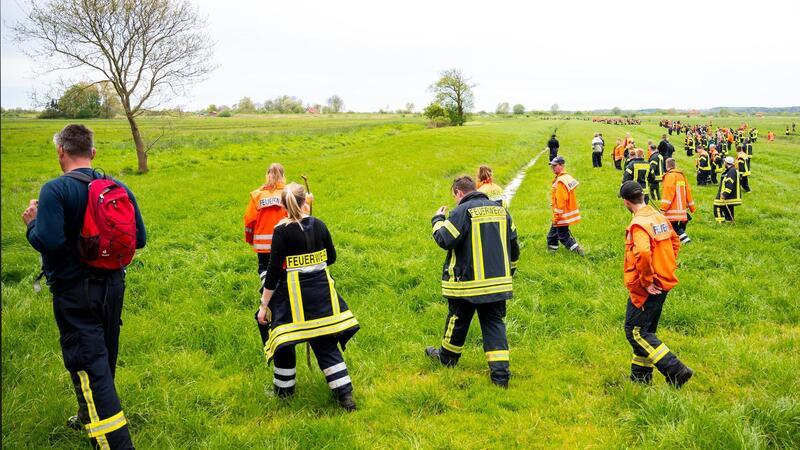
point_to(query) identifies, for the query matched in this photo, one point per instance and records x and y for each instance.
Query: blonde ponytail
(293, 198)
(275, 175)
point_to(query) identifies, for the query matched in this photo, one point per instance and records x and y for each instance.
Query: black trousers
(560, 234)
(89, 316)
(724, 213)
(655, 193)
(689, 151)
(618, 164)
(648, 351)
(680, 230)
(702, 177)
(553, 153)
(493, 329)
(329, 359)
(714, 179)
(745, 183)
(263, 263)
(597, 159)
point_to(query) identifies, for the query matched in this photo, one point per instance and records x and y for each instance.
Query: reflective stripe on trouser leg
(495, 342)
(456, 327)
(284, 377)
(332, 364)
(284, 371)
(98, 427)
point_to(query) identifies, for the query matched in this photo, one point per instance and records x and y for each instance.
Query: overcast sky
(579, 54)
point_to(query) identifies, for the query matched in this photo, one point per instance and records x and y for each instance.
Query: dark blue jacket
(54, 232)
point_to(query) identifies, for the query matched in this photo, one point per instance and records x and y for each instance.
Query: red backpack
(108, 236)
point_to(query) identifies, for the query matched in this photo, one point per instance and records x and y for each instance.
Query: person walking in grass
(487, 185)
(656, 174)
(638, 170)
(619, 154)
(553, 145)
(729, 194)
(677, 201)
(651, 251)
(87, 278)
(482, 254)
(597, 150)
(564, 202)
(264, 211)
(300, 302)
(743, 166)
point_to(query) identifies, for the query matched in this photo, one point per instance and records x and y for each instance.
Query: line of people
(299, 299)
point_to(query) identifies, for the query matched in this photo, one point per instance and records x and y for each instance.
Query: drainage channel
(511, 188)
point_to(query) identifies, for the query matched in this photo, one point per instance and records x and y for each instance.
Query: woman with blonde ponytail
(300, 298)
(487, 185)
(264, 211)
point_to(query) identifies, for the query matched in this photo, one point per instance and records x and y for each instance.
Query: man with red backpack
(87, 227)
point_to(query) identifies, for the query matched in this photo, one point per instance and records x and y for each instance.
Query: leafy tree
(409, 108)
(437, 114)
(519, 109)
(454, 92)
(148, 50)
(80, 101)
(502, 108)
(554, 109)
(51, 110)
(245, 105)
(110, 106)
(335, 104)
(285, 105)
(616, 111)
(211, 108)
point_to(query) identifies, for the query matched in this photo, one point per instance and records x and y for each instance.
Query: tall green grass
(191, 372)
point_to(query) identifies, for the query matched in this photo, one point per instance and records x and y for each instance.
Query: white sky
(579, 54)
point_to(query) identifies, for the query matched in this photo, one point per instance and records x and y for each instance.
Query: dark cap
(630, 190)
(557, 160)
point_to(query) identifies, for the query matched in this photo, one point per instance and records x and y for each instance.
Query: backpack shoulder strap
(310, 235)
(80, 176)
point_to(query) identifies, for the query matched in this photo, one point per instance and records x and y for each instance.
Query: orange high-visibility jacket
(651, 252)
(619, 152)
(677, 196)
(564, 201)
(263, 212)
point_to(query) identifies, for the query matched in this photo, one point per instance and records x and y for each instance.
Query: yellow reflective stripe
(452, 265)
(477, 291)
(448, 333)
(451, 347)
(503, 224)
(438, 225)
(477, 252)
(514, 264)
(641, 361)
(295, 296)
(640, 340)
(476, 283)
(334, 297)
(106, 426)
(659, 353)
(102, 442)
(497, 355)
(308, 330)
(492, 218)
(452, 229)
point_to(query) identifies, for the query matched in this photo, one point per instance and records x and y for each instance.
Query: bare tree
(146, 49)
(454, 91)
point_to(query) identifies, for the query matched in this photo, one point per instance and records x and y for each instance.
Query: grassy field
(191, 374)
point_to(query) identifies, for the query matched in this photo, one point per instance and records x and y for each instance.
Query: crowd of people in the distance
(617, 120)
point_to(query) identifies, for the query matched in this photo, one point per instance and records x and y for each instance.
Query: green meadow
(191, 372)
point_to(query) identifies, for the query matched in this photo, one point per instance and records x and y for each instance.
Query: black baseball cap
(557, 160)
(630, 190)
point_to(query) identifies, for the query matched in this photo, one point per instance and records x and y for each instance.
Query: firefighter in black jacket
(638, 170)
(717, 160)
(703, 167)
(482, 254)
(729, 194)
(657, 170)
(743, 166)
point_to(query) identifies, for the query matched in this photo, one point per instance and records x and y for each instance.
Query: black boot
(75, 423)
(680, 378)
(283, 393)
(433, 353)
(346, 401)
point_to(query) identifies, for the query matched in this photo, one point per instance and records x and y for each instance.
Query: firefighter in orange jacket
(263, 212)
(677, 200)
(651, 250)
(619, 153)
(565, 209)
